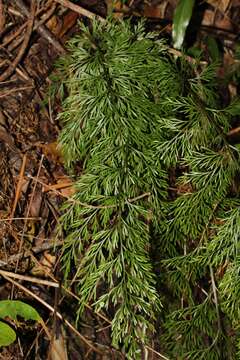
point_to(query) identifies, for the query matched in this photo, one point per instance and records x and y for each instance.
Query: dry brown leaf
(116, 7)
(52, 151)
(68, 22)
(45, 266)
(35, 204)
(54, 24)
(155, 11)
(208, 18)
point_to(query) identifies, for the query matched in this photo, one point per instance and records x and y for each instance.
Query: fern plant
(152, 229)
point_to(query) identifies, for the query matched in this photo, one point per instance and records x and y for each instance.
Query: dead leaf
(46, 264)
(54, 24)
(116, 7)
(68, 22)
(208, 18)
(155, 11)
(36, 203)
(52, 151)
(58, 349)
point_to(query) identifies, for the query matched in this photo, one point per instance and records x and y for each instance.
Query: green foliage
(7, 334)
(181, 19)
(213, 48)
(107, 124)
(12, 309)
(143, 125)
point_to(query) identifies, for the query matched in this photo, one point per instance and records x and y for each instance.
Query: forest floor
(33, 182)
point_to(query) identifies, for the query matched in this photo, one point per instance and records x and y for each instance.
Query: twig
(20, 218)
(2, 17)
(22, 50)
(180, 54)
(234, 131)
(80, 10)
(28, 211)
(9, 63)
(15, 90)
(190, 59)
(25, 221)
(215, 207)
(44, 247)
(43, 30)
(68, 291)
(157, 353)
(60, 185)
(13, 36)
(131, 200)
(19, 187)
(214, 288)
(29, 279)
(49, 307)
(35, 250)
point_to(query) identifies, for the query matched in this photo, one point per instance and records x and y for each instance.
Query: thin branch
(19, 187)
(9, 92)
(190, 59)
(215, 207)
(214, 288)
(25, 221)
(43, 30)
(27, 36)
(21, 218)
(131, 200)
(29, 279)
(67, 290)
(14, 36)
(234, 131)
(49, 307)
(157, 353)
(80, 10)
(35, 250)
(2, 16)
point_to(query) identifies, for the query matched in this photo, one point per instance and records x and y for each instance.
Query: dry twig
(19, 188)
(17, 89)
(80, 10)
(28, 212)
(14, 36)
(8, 72)
(49, 307)
(2, 17)
(29, 253)
(43, 30)
(29, 278)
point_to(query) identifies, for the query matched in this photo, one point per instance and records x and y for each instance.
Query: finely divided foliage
(152, 230)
